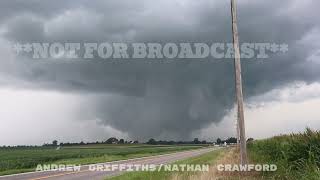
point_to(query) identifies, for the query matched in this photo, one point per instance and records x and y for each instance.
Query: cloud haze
(152, 98)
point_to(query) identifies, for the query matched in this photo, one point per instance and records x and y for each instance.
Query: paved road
(85, 173)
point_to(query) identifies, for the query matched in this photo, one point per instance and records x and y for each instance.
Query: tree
(121, 141)
(152, 141)
(250, 140)
(232, 140)
(196, 141)
(54, 142)
(112, 140)
(219, 141)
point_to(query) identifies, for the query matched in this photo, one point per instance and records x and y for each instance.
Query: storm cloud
(152, 98)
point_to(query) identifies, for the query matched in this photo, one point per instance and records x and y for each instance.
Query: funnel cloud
(145, 98)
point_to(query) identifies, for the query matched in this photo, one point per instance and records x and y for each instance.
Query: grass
(296, 155)
(17, 160)
(208, 158)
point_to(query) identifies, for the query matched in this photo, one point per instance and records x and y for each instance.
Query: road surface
(85, 173)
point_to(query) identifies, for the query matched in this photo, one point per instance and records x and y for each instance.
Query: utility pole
(238, 130)
(238, 84)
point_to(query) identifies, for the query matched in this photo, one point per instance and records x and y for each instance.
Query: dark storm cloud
(149, 99)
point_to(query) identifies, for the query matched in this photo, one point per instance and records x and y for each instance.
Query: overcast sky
(43, 100)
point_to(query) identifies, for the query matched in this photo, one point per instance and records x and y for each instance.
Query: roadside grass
(208, 158)
(18, 160)
(297, 156)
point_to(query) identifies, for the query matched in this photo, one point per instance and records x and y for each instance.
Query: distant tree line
(113, 140)
(231, 140)
(195, 141)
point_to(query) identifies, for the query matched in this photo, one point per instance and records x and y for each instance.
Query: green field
(16, 160)
(297, 155)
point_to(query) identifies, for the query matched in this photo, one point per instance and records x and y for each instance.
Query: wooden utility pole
(238, 130)
(238, 84)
